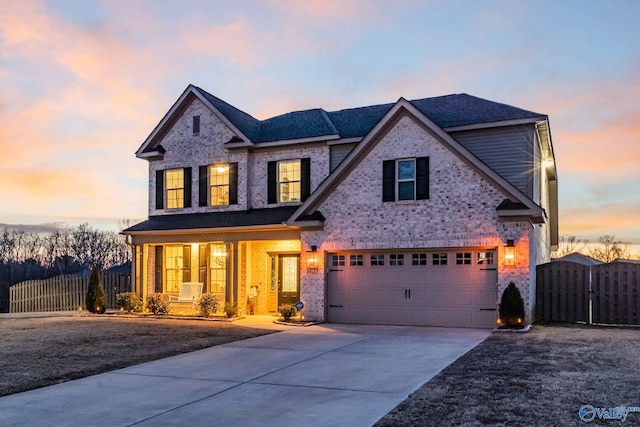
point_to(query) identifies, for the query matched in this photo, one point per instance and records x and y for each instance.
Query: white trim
(501, 123)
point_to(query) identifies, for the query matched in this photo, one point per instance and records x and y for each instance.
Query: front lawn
(539, 378)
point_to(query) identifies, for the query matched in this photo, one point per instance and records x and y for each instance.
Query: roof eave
(500, 123)
(533, 215)
(236, 229)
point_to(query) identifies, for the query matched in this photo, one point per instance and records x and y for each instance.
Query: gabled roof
(445, 111)
(516, 203)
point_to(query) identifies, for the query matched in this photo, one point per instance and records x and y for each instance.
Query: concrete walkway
(323, 375)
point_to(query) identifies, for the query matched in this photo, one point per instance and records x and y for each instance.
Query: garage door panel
(441, 295)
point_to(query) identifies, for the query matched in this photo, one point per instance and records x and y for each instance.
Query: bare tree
(609, 249)
(568, 245)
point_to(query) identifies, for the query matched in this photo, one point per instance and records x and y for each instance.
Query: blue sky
(83, 83)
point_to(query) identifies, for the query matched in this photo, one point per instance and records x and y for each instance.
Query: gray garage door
(432, 288)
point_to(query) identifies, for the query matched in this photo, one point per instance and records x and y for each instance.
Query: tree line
(29, 256)
(607, 248)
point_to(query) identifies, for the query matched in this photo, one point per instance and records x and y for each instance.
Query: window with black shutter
(405, 179)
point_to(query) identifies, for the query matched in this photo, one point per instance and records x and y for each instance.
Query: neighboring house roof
(445, 111)
(578, 258)
(212, 220)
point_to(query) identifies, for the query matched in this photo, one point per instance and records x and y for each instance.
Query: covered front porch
(258, 271)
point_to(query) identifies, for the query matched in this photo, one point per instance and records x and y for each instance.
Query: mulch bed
(542, 377)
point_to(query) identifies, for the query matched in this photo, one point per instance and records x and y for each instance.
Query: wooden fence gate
(604, 293)
(66, 292)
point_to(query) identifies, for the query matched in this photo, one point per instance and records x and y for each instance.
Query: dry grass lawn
(540, 378)
(36, 352)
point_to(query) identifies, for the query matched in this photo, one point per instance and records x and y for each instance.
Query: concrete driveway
(323, 375)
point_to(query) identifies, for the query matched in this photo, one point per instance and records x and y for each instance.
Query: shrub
(208, 304)
(287, 311)
(129, 301)
(158, 303)
(512, 306)
(230, 309)
(95, 300)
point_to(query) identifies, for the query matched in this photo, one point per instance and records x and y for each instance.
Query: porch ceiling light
(510, 253)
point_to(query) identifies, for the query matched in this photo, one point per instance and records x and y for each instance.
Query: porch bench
(189, 292)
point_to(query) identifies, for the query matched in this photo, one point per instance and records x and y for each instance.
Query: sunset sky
(82, 84)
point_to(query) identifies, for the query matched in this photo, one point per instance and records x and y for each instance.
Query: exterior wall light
(312, 260)
(510, 253)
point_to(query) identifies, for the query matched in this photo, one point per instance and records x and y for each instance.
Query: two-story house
(416, 212)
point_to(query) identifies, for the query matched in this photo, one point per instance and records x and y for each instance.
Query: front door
(288, 279)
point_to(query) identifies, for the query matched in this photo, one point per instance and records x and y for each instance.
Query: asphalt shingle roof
(445, 111)
(195, 221)
(215, 219)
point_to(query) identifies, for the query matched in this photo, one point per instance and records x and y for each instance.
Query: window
(485, 258)
(356, 260)
(463, 258)
(289, 181)
(405, 179)
(217, 268)
(178, 267)
(419, 259)
(377, 259)
(175, 188)
(396, 259)
(196, 125)
(439, 259)
(219, 184)
(338, 260)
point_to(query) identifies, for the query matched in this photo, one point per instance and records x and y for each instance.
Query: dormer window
(196, 125)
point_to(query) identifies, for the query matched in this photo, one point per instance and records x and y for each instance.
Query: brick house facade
(417, 212)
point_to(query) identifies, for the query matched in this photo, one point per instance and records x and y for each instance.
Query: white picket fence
(65, 292)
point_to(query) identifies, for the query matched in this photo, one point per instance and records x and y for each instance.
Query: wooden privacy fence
(66, 292)
(604, 293)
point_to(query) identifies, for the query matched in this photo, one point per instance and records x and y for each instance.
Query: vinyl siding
(338, 153)
(507, 150)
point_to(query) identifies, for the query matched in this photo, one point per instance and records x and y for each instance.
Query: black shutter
(233, 183)
(272, 182)
(186, 263)
(160, 189)
(305, 178)
(158, 285)
(388, 180)
(187, 187)
(203, 184)
(422, 178)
